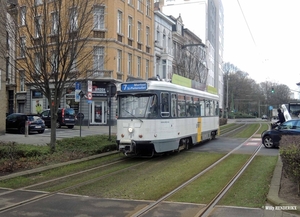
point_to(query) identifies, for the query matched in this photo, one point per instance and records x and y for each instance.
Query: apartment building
(3, 104)
(163, 52)
(205, 18)
(119, 40)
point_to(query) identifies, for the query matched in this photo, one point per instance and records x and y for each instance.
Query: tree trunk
(53, 132)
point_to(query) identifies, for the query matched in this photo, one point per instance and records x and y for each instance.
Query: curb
(273, 197)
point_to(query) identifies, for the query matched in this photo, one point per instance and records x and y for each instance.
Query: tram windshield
(137, 106)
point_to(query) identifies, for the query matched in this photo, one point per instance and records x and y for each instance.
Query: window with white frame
(38, 2)
(139, 32)
(129, 27)
(54, 62)
(73, 64)
(22, 80)
(130, 2)
(37, 26)
(157, 36)
(139, 65)
(119, 22)
(147, 35)
(23, 15)
(23, 46)
(98, 58)
(140, 5)
(54, 28)
(169, 43)
(99, 17)
(148, 8)
(147, 69)
(164, 40)
(129, 64)
(37, 63)
(119, 61)
(73, 19)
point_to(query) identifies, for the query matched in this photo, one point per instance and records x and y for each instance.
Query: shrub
(222, 121)
(290, 156)
(19, 156)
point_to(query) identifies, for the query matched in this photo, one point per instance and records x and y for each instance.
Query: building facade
(121, 44)
(163, 53)
(205, 18)
(3, 105)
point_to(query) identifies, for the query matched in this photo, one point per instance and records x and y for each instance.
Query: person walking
(281, 118)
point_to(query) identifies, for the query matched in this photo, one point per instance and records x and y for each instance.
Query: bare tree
(51, 40)
(190, 63)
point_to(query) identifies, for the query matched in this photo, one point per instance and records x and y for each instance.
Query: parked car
(264, 117)
(16, 122)
(65, 117)
(271, 138)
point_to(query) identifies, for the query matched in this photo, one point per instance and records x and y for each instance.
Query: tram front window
(138, 106)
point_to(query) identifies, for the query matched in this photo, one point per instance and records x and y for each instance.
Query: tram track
(83, 183)
(209, 207)
(232, 129)
(141, 212)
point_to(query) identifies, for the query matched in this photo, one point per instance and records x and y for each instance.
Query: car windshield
(137, 106)
(289, 125)
(33, 118)
(69, 112)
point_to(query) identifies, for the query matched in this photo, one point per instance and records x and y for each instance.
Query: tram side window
(165, 110)
(188, 105)
(207, 107)
(197, 107)
(181, 106)
(202, 108)
(216, 103)
(174, 109)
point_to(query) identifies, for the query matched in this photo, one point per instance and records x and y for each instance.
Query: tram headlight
(130, 129)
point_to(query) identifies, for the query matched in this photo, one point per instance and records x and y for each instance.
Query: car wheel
(22, 130)
(41, 131)
(71, 127)
(268, 142)
(58, 125)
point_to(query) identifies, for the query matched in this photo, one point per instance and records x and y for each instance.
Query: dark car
(16, 122)
(65, 117)
(271, 138)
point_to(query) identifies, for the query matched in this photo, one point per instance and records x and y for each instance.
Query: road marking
(252, 144)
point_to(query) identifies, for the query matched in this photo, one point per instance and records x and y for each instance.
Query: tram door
(99, 112)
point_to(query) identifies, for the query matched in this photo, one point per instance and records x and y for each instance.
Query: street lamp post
(227, 98)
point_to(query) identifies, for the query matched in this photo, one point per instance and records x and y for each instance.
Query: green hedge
(290, 156)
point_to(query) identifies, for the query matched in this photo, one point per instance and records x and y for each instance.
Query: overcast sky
(270, 49)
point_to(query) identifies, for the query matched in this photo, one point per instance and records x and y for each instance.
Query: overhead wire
(246, 22)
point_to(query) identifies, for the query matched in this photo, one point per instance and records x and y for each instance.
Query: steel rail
(155, 203)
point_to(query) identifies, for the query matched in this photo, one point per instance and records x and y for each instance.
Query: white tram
(157, 116)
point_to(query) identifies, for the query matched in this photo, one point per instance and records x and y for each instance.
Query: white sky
(274, 52)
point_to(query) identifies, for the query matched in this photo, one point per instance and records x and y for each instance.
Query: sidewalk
(44, 138)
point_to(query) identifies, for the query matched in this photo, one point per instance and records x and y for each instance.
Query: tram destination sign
(134, 86)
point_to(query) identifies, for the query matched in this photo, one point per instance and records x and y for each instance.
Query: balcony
(93, 74)
(99, 34)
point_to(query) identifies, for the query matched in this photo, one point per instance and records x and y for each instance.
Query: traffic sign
(77, 96)
(80, 116)
(77, 86)
(90, 86)
(90, 96)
